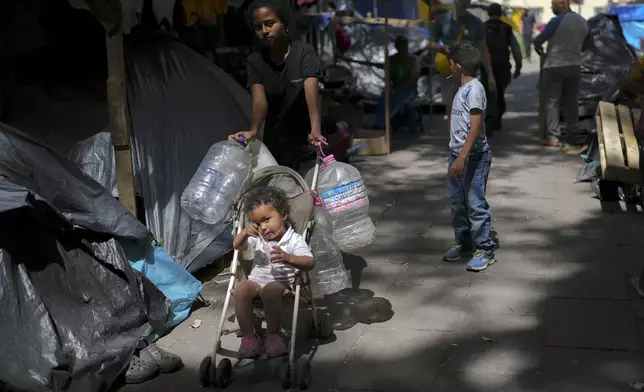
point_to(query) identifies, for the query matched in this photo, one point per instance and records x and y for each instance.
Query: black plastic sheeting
(73, 310)
(610, 59)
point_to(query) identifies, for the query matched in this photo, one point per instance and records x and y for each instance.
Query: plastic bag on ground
(178, 285)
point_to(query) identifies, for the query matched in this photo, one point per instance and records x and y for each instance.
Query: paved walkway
(554, 314)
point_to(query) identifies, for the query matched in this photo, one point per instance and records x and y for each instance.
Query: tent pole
(120, 120)
(387, 79)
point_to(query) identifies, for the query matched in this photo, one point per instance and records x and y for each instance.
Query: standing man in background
(500, 42)
(567, 37)
(527, 30)
(449, 27)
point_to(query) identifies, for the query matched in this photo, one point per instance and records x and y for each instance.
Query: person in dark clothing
(282, 77)
(500, 42)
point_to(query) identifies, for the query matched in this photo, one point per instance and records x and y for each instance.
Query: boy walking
(469, 164)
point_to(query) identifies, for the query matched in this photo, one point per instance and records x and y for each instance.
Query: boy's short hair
(467, 56)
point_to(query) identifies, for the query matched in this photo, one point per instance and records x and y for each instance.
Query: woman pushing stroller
(282, 77)
(279, 253)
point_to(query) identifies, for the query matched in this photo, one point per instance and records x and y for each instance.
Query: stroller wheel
(285, 374)
(206, 372)
(224, 373)
(303, 374)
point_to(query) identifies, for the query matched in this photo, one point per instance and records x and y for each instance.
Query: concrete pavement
(553, 314)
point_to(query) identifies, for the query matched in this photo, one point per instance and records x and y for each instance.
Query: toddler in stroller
(279, 251)
(272, 219)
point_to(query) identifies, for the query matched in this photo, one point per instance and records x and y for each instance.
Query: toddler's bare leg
(245, 292)
(272, 295)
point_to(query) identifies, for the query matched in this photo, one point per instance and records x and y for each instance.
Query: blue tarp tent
(631, 17)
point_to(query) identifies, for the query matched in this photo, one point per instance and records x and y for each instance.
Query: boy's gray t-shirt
(447, 28)
(471, 96)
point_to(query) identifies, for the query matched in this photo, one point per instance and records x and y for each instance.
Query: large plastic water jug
(217, 182)
(329, 274)
(343, 193)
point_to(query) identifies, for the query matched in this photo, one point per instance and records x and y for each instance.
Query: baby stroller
(291, 374)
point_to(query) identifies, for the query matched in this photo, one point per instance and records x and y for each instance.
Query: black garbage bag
(610, 59)
(72, 307)
(73, 310)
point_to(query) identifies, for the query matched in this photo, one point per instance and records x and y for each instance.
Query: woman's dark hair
(263, 195)
(280, 7)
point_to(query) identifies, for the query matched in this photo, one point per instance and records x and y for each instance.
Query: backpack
(498, 40)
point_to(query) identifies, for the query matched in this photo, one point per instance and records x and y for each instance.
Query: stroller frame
(291, 374)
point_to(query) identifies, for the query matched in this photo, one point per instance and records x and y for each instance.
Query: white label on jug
(345, 196)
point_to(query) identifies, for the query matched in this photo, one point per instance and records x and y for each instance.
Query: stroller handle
(319, 158)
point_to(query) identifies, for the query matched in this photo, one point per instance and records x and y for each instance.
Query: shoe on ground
(140, 371)
(167, 362)
(480, 261)
(274, 346)
(456, 252)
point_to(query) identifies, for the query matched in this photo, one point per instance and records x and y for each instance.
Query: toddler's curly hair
(268, 195)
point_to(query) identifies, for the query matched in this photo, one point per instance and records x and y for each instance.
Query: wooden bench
(618, 149)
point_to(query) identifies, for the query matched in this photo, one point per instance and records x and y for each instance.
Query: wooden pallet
(618, 149)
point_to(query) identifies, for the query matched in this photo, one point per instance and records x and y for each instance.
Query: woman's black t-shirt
(287, 124)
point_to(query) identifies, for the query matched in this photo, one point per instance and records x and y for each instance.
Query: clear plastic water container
(329, 275)
(344, 196)
(217, 182)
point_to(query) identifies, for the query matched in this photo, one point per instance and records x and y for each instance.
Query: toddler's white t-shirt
(263, 271)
